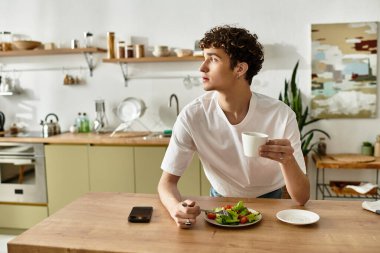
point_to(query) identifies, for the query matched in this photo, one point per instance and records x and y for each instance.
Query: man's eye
(213, 59)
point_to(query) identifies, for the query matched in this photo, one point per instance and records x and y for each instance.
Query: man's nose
(203, 67)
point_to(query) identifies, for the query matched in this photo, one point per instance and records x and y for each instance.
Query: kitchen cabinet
(66, 174)
(148, 172)
(205, 184)
(72, 170)
(111, 169)
(21, 216)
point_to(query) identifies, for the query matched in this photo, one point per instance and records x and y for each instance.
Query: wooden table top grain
(98, 222)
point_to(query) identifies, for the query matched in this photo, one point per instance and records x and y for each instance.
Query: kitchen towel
(373, 206)
(363, 188)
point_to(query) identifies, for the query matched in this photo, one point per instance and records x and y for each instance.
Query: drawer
(21, 216)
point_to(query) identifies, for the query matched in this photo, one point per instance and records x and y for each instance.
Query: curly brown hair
(239, 44)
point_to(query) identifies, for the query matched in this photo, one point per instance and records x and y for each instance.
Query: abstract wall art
(344, 66)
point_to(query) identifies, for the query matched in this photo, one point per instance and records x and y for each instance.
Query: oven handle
(17, 161)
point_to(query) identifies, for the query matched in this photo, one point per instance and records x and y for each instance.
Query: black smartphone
(140, 214)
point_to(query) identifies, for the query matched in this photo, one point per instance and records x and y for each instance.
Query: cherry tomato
(228, 207)
(211, 216)
(243, 220)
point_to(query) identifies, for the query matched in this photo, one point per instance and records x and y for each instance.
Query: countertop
(123, 138)
(98, 222)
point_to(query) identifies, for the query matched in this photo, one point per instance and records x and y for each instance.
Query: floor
(3, 242)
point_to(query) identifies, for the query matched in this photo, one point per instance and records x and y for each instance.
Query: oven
(22, 173)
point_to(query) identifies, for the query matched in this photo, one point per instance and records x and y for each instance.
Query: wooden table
(97, 222)
(328, 162)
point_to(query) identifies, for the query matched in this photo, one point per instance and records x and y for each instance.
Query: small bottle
(78, 121)
(121, 49)
(6, 41)
(111, 45)
(139, 51)
(377, 147)
(85, 124)
(322, 147)
(130, 51)
(88, 37)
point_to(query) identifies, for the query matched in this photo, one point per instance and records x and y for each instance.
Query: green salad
(237, 214)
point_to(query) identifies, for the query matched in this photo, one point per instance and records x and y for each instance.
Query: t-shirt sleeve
(292, 132)
(180, 150)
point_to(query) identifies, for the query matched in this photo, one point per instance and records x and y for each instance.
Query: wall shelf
(155, 59)
(87, 52)
(124, 61)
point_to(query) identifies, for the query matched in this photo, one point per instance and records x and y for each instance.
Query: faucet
(176, 100)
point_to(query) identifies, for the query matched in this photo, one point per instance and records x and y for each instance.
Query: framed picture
(344, 66)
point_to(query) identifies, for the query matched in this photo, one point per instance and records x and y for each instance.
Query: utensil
(224, 212)
(50, 128)
(297, 216)
(128, 111)
(2, 121)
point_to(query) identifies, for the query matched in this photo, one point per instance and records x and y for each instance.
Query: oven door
(22, 179)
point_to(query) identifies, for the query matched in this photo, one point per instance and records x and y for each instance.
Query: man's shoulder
(269, 102)
(200, 104)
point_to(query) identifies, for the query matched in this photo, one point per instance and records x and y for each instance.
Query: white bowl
(161, 53)
(183, 52)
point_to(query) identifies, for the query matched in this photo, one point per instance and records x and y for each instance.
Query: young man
(212, 125)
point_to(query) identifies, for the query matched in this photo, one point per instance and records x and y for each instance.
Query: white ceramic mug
(252, 141)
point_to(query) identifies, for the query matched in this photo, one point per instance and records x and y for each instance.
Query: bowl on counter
(26, 44)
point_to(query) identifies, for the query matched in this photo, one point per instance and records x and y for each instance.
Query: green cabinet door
(148, 172)
(190, 182)
(21, 216)
(111, 169)
(148, 168)
(66, 174)
(205, 184)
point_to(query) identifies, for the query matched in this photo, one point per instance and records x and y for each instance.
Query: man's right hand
(185, 213)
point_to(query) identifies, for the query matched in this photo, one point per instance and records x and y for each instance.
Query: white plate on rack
(297, 216)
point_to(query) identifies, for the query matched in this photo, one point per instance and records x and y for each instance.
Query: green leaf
(292, 96)
(293, 81)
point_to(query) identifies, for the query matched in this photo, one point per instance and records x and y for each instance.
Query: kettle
(2, 121)
(50, 128)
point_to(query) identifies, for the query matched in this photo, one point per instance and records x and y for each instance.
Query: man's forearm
(169, 193)
(297, 183)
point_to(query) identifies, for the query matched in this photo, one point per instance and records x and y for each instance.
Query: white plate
(297, 216)
(235, 226)
(130, 109)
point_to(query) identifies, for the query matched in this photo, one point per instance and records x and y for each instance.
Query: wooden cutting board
(353, 158)
(131, 134)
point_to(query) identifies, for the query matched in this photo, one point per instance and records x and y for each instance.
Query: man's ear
(240, 69)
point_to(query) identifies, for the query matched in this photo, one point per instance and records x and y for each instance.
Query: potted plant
(293, 98)
(367, 148)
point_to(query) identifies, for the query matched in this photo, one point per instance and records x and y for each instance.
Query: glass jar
(322, 147)
(88, 39)
(139, 51)
(111, 45)
(6, 41)
(130, 51)
(121, 49)
(377, 147)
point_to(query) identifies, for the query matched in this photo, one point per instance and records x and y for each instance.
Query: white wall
(282, 26)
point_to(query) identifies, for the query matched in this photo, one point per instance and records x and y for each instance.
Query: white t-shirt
(203, 127)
